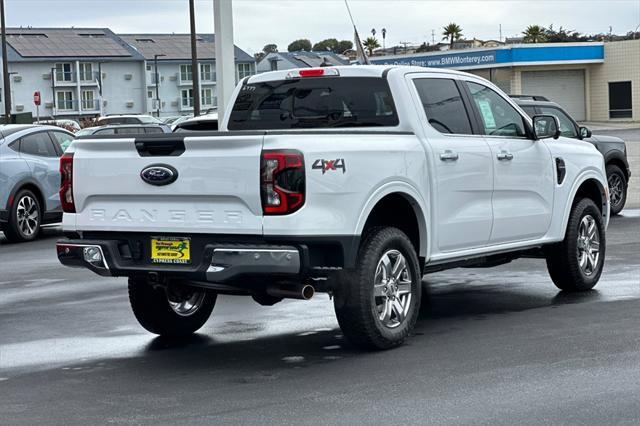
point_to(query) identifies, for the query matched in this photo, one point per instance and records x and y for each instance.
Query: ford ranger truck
(353, 181)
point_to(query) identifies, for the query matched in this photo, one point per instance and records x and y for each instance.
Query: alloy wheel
(588, 245)
(616, 189)
(27, 216)
(392, 289)
(189, 305)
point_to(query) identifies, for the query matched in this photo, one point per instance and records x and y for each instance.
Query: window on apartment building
(187, 98)
(206, 97)
(149, 67)
(186, 73)
(205, 72)
(86, 71)
(150, 94)
(64, 72)
(88, 101)
(244, 70)
(64, 100)
(620, 100)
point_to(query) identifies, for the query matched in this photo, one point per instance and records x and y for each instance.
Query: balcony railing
(89, 77)
(61, 78)
(91, 105)
(71, 106)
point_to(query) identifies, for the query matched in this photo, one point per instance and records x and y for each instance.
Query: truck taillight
(282, 181)
(66, 183)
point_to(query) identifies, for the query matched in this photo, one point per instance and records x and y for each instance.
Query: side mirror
(585, 132)
(546, 126)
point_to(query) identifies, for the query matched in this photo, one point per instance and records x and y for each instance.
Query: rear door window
(443, 105)
(38, 144)
(153, 129)
(314, 102)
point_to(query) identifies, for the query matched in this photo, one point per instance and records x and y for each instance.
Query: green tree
(297, 45)
(370, 44)
(535, 34)
(329, 44)
(343, 46)
(270, 48)
(452, 32)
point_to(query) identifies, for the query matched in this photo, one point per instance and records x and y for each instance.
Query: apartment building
(173, 94)
(85, 72)
(78, 72)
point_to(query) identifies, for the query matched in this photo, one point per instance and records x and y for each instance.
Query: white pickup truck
(354, 181)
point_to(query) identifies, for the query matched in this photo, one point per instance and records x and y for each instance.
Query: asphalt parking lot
(492, 346)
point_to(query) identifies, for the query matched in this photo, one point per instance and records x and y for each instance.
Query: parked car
(201, 123)
(169, 120)
(130, 119)
(180, 120)
(125, 129)
(30, 178)
(612, 148)
(71, 125)
(354, 181)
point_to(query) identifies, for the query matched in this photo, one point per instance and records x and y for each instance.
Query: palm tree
(371, 43)
(535, 34)
(452, 32)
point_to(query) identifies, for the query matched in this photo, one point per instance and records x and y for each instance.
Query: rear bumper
(219, 263)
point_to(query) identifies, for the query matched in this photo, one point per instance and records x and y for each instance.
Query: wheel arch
(33, 186)
(617, 160)
(588, 185)
(398, 205)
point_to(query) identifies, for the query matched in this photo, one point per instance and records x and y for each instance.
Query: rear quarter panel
(337, 200)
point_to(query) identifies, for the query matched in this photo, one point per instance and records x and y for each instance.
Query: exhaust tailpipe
(292, 291)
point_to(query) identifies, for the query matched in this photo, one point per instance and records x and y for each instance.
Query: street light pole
(194, 61)
(155, 65)
(5, 68)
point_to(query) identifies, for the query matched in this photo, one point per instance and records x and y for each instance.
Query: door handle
(505, 156)
(449, 155)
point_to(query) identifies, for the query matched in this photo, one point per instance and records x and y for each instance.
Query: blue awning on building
(516, 55)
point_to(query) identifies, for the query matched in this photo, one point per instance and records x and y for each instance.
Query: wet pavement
(499, 346)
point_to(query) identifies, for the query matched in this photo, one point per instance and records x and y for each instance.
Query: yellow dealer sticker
(172, 250)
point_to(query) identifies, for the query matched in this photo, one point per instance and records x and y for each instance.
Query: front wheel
(576, 263)
(377, 304)
(172, 312)
(617, 188)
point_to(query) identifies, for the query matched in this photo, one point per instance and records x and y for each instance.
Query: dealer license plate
(171, 250)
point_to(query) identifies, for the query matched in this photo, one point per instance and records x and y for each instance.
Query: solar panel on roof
(65, 43)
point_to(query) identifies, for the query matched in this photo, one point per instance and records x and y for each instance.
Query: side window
(443, 105)
(38, 144)
(567, 128)
(153, 130)
(105, 132)
(63, 140)
(499, 118)
(131, 120)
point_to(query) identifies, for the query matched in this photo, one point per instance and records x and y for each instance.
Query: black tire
(357, 309)
(21, 228)
(563, 259)
(153, 311)
(618, 193)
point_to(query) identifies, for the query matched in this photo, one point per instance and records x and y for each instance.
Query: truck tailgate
(216, 191)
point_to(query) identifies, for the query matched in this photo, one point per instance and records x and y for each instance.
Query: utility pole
(5, 68)
(155, 64)
(433, 36)
(405, 44)
(195, 71)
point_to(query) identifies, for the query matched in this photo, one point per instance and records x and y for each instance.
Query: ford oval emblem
(159, 174)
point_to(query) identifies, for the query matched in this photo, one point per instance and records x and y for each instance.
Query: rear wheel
(25, 217)
(576, 263)
(617, 188)
(170, 312)
(377, 304)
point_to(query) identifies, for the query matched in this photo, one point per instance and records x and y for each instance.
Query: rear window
(321, 102)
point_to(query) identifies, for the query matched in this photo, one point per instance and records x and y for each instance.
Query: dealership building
(593, 81)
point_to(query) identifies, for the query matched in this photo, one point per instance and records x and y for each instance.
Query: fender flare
(415, 199)
(582, 178)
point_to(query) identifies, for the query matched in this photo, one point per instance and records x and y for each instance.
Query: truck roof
(352, 71)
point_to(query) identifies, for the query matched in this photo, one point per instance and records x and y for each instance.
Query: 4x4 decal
(328, 165)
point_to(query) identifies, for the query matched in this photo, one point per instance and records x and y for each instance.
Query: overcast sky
(258, 22)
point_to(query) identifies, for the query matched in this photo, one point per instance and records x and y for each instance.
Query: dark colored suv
(612, 148)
